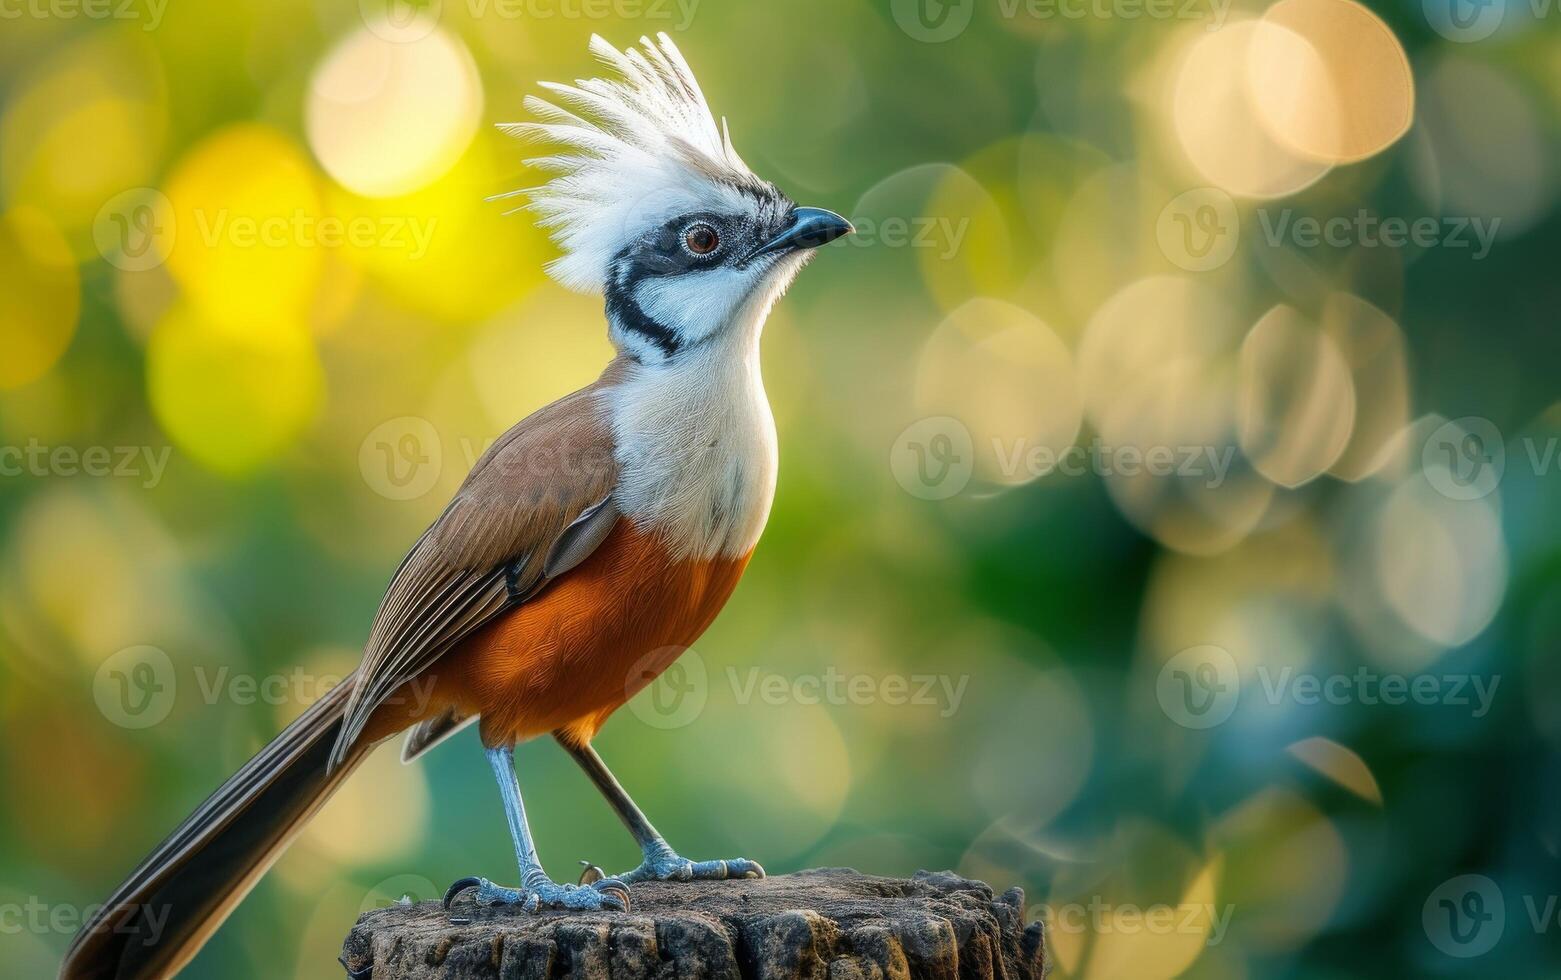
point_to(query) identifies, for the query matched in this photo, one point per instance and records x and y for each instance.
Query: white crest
(638, 150)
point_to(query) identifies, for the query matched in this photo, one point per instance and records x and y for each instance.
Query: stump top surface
(828, 924)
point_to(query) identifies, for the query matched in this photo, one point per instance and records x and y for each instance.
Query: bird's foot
(541, 893)
(666, 864)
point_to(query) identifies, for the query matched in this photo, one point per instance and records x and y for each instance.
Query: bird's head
(651, 205)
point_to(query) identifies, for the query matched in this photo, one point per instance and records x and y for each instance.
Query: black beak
(809, 228)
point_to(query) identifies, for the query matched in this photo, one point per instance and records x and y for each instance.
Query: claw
(613, 886)
(591, 873)
(755, 870)
(458, 887)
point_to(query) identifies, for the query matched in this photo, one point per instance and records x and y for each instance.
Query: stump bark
(825, 924)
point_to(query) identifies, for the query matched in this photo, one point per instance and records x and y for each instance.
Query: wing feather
(535, 505)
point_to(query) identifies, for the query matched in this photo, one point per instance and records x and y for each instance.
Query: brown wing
(535, 505)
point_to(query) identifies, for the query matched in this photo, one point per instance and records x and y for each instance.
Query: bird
(587, 547)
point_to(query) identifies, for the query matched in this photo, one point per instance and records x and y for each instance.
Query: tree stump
(825, 924)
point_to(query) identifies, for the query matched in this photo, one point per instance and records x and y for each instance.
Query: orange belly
(568, 658)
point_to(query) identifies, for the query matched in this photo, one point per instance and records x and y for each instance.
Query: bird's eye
(701, 239)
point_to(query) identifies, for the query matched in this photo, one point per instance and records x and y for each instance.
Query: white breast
(695, 447)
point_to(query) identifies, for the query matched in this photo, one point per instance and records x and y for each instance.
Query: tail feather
(157, 920)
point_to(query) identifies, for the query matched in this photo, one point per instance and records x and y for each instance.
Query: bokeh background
(1259, 679)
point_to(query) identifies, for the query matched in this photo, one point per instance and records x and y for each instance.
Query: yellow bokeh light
(1125, 947)
(352, 827)
(1009, 380)
(445, 251)
(1285, 868)
(40, 296)
(231, 401)
(1441, 563)
(550, 345)
(386, 117)
(1339, 764)
(1141, 342)
(88, 125)
(969, 250)
(1332, 82)
(1373, 345)
(1217, 120)
(1295, 399)
(1158, 363)
(247, 239)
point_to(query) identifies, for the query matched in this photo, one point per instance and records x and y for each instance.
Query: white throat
(695, 441)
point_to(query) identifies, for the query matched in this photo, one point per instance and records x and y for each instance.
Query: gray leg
(661, 862)
(536, 889)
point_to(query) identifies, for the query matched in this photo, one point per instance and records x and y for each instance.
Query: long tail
(157, 920)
